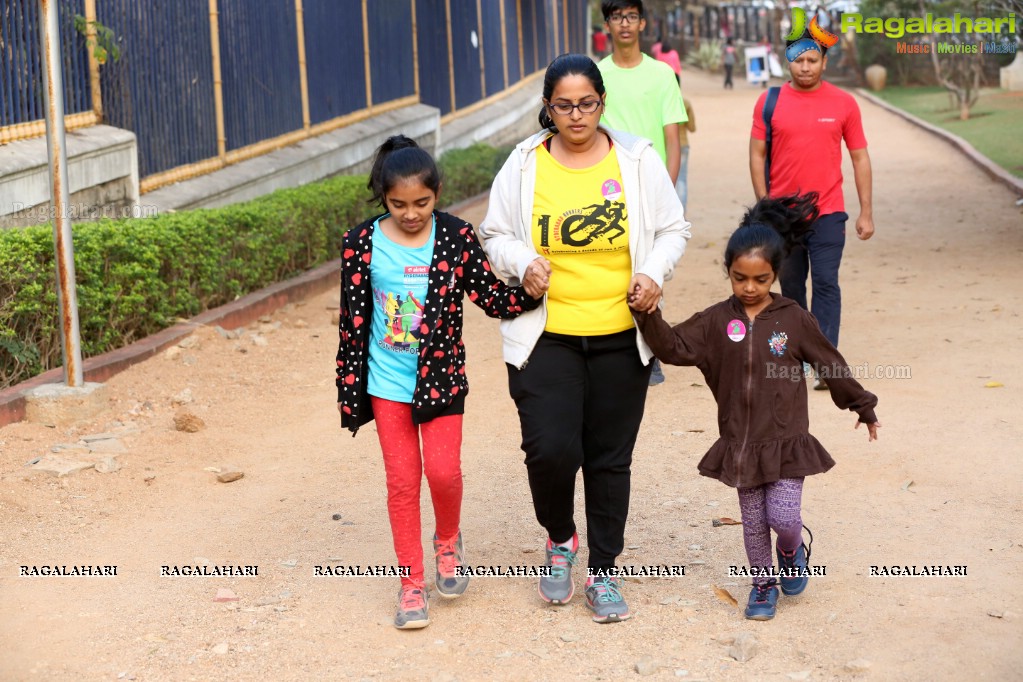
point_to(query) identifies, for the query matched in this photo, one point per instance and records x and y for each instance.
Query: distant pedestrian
(728, 58)
(670, 57)
(682, 184)
(599, 42)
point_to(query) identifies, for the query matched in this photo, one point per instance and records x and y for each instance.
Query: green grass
(995, 126)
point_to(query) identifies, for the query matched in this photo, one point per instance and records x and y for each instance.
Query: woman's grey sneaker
(449, 556)
(413, 608)
(557, 588)
(604, 598)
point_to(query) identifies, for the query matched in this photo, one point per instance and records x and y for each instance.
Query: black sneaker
(763, 601)
(795, 562)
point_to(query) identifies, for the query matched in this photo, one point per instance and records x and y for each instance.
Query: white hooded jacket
(658, 230)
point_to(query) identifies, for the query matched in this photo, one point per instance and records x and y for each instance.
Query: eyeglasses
(630, 18)
(585, 107)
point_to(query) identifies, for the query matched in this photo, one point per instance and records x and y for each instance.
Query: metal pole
(53, 98)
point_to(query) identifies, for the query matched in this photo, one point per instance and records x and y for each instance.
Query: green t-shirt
(642, 100)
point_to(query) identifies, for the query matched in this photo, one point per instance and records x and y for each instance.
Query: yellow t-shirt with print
(580, 225)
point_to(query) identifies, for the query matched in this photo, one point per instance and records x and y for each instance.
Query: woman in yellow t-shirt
(591, 213)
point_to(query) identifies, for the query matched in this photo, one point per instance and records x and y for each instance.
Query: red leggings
(403, 464)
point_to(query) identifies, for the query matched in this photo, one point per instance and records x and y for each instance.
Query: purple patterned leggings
(766, 507)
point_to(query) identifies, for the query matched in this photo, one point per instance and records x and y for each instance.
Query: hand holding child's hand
(538, 277)
(871, 430)
(644, 294)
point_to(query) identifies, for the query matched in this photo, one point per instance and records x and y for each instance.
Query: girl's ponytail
(397, 159)
(773, 227)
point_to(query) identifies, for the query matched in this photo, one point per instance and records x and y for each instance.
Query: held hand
(538, 278)
(644, 294)
(871, 430)
(864, 227)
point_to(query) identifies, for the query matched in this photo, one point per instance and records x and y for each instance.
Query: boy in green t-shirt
(643, 96)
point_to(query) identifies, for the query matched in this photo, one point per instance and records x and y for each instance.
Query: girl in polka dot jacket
(401, 359)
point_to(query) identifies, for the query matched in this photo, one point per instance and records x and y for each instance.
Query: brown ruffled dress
(755, 370)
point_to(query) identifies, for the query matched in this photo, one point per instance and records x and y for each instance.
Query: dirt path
(937, 290)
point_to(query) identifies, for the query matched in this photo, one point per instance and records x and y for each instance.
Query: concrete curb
(993, 170)
(236, 314)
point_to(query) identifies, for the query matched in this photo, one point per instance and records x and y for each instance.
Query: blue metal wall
(162, 86)
(531, 61)
(465, 54)
(21, 67)
(546, 27)
(493, 54)
(434, 70)
(511, 32)
(259, 68)
(335, 61)
(391, 58)
(578, 27)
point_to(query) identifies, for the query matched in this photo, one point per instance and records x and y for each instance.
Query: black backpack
(768, 113)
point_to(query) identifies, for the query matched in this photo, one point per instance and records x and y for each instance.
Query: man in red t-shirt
(599, 42)
(811, 118)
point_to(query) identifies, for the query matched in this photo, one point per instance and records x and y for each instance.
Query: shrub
(137, 276)
(708, 57)
(469, 171)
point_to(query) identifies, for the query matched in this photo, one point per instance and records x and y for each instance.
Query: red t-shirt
(807, 131)
(599, 42)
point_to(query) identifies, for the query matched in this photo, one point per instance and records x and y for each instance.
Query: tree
(959, 72)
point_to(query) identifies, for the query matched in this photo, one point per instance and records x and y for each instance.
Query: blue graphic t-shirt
(401, 277)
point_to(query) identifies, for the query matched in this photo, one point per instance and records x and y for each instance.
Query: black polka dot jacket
(459, 268)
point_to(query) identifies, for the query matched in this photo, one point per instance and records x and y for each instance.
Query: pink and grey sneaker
(604, 598)
(413, 608)
(557, 588)
(450, 555)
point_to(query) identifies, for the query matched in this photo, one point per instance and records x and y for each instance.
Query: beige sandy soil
(937, 291)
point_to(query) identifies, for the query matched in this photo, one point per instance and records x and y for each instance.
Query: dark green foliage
(138, 276)
(470, 171)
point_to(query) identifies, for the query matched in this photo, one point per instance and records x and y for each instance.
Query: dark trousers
(822, 256)
(580, 401)
(728, 76)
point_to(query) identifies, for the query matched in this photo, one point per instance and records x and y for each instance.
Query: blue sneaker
(604, 598)
(798, 559)
(656, 373)
(763, 599)
(557, 588)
